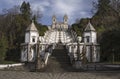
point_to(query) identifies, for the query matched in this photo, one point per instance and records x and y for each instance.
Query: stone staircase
(59, 60)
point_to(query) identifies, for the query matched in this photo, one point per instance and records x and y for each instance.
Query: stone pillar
(28, 50)
(78, 52)
(38, 60)
(70, 49)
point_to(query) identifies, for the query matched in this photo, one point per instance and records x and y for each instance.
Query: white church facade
(60, 32)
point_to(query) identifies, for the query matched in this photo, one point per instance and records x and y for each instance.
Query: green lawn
(111, 62)
(115, 62)
(7, 62)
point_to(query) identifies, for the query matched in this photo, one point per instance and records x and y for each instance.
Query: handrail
(46, 57)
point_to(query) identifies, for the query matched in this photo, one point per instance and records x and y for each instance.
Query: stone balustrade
(3, 66)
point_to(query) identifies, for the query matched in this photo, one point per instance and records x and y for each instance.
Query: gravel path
(77, 75)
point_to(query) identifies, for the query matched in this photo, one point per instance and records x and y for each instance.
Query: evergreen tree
(26, 10)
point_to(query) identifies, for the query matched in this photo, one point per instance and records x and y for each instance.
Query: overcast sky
(73, 8)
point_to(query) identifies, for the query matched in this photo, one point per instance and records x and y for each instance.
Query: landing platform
(38, 75)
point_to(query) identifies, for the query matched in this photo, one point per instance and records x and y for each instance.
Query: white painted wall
(85, 35)
(3, 66)
(34, 34)
(72, 49)
(92, 35)
(52, 36)
(31, 55)
(29, 36)
(88, 53)
(24, 55)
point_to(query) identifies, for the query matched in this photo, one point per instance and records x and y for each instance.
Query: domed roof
(32, 27)
(89, 27)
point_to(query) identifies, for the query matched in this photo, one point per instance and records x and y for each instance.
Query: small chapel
(78, 48)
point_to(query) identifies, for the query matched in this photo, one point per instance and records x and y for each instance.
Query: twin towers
(60, 25)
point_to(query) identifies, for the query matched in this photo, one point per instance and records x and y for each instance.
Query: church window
(87, 39)
(54, 20)
(33, 39)
(65, 19)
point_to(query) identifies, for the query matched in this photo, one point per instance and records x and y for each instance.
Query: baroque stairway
(53, 36)
(59, 60)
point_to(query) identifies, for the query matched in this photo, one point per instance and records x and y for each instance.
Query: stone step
(59, 60)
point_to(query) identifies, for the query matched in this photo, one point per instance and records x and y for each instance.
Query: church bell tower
(65, 19)
(54, 21)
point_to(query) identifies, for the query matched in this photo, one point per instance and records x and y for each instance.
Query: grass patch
(116, 62)
(7, 62)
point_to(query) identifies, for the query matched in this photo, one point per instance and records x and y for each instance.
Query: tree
(14, 30)
(106, 21)
(116, 5)
(103, 6)
(42, 29)
(105, 16)
(26, 10)
(18, 19)
(75, 27)
(79, 26)
(37, 14)
(110, 44)
(3, 47)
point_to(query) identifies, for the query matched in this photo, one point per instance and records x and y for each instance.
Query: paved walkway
(38, 75)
